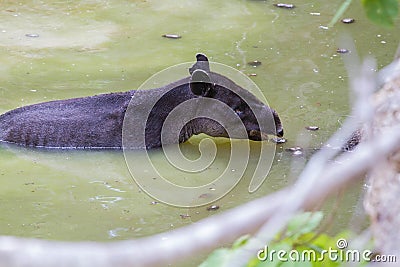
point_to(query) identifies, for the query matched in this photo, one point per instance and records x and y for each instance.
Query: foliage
(299, 237)
(343, 7)
(382, 12)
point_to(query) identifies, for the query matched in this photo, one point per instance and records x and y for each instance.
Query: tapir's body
(97, 121)
(68, 123)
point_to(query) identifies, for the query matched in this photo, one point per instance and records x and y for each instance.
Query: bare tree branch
(174, 246)
(363, 83)
(324, 175)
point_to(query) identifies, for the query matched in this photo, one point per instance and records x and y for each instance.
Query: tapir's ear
(201, 64)
(200, 84)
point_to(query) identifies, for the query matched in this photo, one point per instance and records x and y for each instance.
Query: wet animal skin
(97, 121)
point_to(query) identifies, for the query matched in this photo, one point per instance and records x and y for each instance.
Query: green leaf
(299, 237)
(218, 257)
(323, 241)
(271, 252)
(256, 263)
(296, 264)
(382, 12)
(343, 7)
(240, 241)
(304, 223)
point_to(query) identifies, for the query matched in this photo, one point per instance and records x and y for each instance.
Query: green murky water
(57, 50)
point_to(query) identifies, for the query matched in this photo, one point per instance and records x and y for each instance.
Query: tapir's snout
(257, 135)
(279, 133)
(278, 123)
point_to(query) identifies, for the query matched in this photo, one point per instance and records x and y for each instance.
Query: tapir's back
(97, 121)
(93, 122)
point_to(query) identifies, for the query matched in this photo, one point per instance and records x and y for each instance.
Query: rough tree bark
(309, 190)
(382, 199)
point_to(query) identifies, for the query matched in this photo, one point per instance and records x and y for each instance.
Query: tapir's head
(258, 119)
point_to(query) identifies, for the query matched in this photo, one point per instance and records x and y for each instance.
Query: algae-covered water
(62, 49)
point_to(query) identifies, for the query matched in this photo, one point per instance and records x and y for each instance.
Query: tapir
(98, 121)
